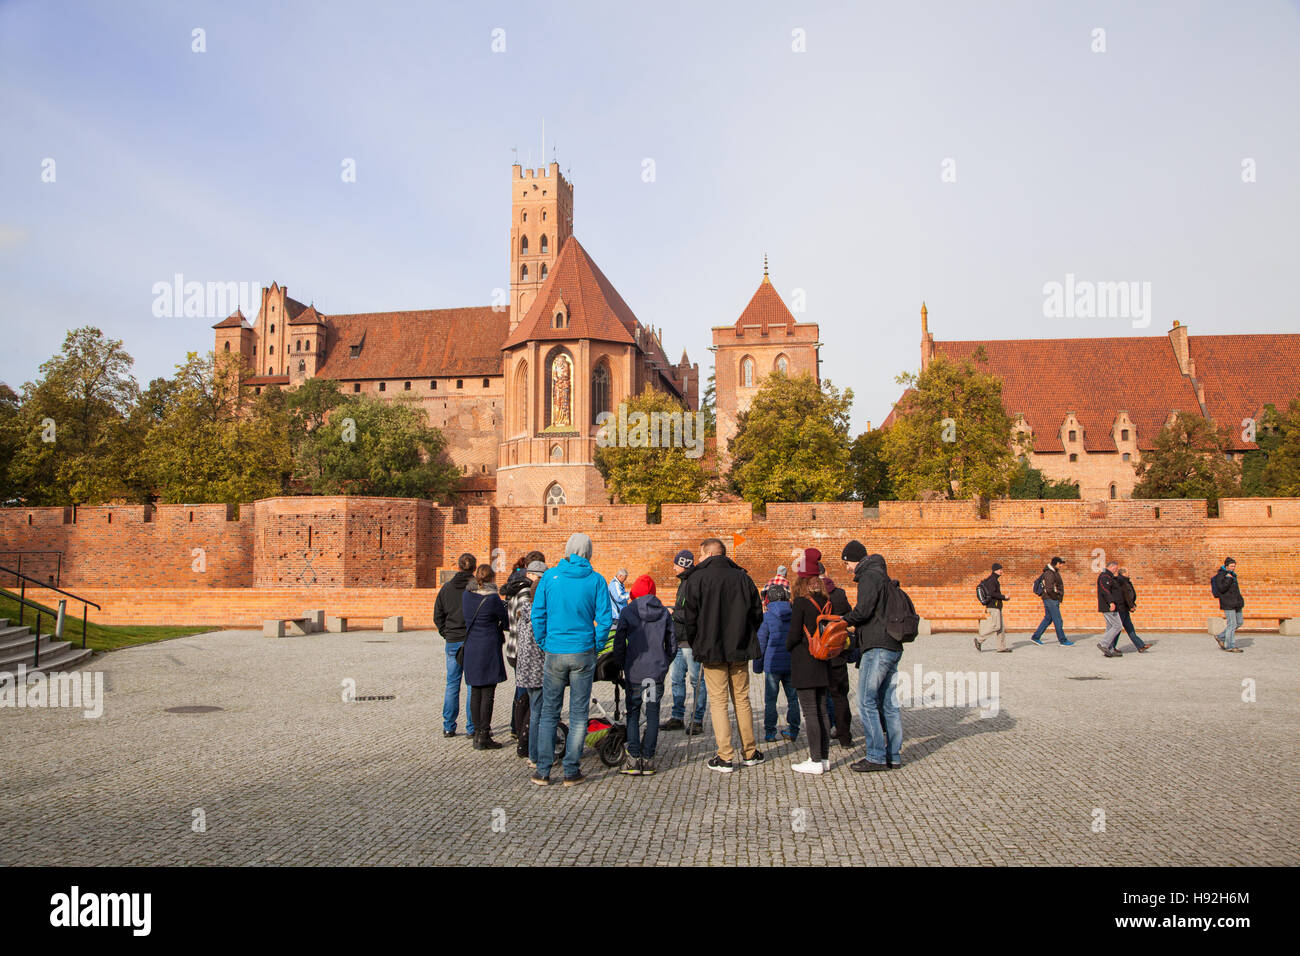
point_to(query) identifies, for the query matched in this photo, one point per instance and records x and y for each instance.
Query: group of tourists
(553, 623)
(1116, 601)
(802, 633)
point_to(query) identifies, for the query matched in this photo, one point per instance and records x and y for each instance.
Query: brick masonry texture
(370, 557)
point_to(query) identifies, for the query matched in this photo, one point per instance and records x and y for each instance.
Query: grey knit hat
(535, 567)
(579, 544)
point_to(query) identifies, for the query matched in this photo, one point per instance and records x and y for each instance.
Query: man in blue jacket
(571, 618)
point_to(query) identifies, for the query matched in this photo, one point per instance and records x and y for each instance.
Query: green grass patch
(101, 637)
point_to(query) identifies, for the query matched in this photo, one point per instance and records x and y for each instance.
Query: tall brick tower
(541, 221)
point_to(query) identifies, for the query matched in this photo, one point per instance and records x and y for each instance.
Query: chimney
(1178, 339)
(927, 340)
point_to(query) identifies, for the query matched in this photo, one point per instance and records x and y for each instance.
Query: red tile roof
(421, 344)
(766, 308)
(308, 316)
(596, 310)
(235, 320)
(267, 380)
(1243, 373)
(1045, 379)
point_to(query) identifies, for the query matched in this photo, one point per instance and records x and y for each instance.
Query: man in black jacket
(449, 619)
(1127, 601)
(721, 612)
(880, 653)
(993, 598)
(1053, 595)
(1228, 591)
(1110, 598)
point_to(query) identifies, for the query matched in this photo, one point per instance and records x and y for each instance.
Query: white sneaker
(810, 766)
(826, 766)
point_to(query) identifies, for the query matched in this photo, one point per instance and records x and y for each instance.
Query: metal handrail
(23, 578)
(23, 602)
(58, 566)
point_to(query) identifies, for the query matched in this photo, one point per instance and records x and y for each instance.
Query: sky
(967, 155)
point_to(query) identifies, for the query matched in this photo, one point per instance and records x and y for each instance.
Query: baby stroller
(606, 733)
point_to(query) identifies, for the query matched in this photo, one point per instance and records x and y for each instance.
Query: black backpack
(1039, 588)
(902, 623)
(981, 594)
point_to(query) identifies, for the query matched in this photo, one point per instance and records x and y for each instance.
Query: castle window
(272, 324)
(1112, 489)
(561, 321)
(1074, 436)
(747, 372)
(1073, 457)
(433, 384)
(600, 391)
(383, 386)
(543, 244)
(256, 391)
(271, 351)
(1126, 456)
(1123, 434)
(307, 347)
(543, 215)
(354, 351)
(487, 383)
(543, 271)
(356, 386)
(523, 216)
(406, 386)
(227, 348)
(783, 365)
(460, 383)
(557, 453)
(302, 366)
(523, 245)
(523, 272)
(269, 370)
(555, 495)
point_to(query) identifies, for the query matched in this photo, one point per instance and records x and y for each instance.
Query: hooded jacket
(447, 615)
(679, 607)
(721, 612)
(993, 591)
(1053, 585)
(1109, 592)
(868, 615)
(771, 637)
(644, 644)
(1228, 590)
(571, 610)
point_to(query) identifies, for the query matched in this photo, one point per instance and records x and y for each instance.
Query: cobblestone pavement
(1184, 770)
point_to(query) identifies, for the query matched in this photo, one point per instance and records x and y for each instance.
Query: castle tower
(541, 221)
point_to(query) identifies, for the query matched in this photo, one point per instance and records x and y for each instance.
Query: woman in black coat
(811, 677)
(485, 625)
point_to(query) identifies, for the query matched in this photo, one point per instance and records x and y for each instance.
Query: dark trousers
(480, 705)
(812, 701)
(841, 718)
(1127, 621)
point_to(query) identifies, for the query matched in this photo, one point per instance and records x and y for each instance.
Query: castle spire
(925, 321)
(765, 278)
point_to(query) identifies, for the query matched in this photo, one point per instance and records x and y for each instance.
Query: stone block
(1290, 627)
(336, 625)
(1216, 626)
(393, 625)
(317, 620)
(273, 628)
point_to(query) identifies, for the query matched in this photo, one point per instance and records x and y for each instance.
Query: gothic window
(269, 370)
(523, 216)
(227, 348)
(783, 365)
(1074, 436)
(543, 215)
(302, 366)
(1112, 489)
(601, 391)
(523, 245)
(561, 321)
(272, 324)
(272, 351)
(543, 271)
(543, 244)
(521, 396)
(747, 372)
(555, 495)
(557, 453)
(307, 347)
(523, 272)
(1123, 434)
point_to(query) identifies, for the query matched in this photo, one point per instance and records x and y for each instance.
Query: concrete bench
(336, 625)
(1287, 624)
(287, 627)
(317, 619)
(393, 625)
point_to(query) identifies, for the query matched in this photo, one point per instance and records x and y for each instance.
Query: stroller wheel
(611, 748)
(561, 739)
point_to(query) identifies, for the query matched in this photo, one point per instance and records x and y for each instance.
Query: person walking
(877, 693)
(485, 625)
(684, 664)
(837, 704)
(530, 659)
(1109, 601)
(618, 595)
(721, 614)
(1127, 595)
(1051, 588)
(991, 588)
(811, 676)
(644, 647)
(571, 620)
(450, 622)
(774, 665)
(1227, 589)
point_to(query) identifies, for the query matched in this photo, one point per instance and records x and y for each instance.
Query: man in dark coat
(880, 653)
(993, 598)
(721, 613)
(1228, 591)
(449, 619)
(1127, 595)
(1110, 598)
(1053, 595)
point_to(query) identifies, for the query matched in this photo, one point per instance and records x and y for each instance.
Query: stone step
(21, 652)
(7, 633)
(63, 656)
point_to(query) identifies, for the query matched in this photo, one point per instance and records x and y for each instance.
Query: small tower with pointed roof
(766, 338)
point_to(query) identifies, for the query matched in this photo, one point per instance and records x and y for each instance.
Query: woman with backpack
(485, 625)
(811, 677)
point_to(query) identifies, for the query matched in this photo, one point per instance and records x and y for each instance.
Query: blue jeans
(576, 672)
(451, 696)
(643, 744)
(534, 720)
(683, 662)
(1229, 635)
(1052, 615)
(772, 685)
(878, 705)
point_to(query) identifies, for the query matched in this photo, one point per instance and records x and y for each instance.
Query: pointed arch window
(521, 397)
(523, 245)
(542, 244)
(602, 393)
(544, 271)
(555, 495)
(747, 372)
(227, 348)
(783, 365)
(523, 272)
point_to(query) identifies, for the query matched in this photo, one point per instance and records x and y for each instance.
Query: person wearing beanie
(991, 588)
(778, 580)
(853, 552)
(644, 647)
(517, 592)
(449, 619)
(684, 662)
(775, 665)
(879, 654)
(809, 564)
(1224, 586)
(810, 675)
(1052, 591)
(571, 619)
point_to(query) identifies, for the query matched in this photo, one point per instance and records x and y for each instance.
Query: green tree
(368, 446)
(653, 464)
(950, 433)
(709, 404)
(11, 432)
(1273, 470)
(871, 483)
(1030, 482)
(792, 444)
(1189, 460)
(74, 447)
(309, 406)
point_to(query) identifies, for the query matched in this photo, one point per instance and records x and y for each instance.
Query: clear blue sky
(225, 165)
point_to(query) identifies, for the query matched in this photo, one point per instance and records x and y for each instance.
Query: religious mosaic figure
(561, 392)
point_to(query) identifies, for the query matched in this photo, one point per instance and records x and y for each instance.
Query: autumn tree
(656, 458)
(1189, 460)
(1273, 469)
(792, 443)
(871, 483)
(1030, 482)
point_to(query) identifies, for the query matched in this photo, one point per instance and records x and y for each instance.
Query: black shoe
(754, 759)
(449, 733)
(540, 781)
(866, 766)
(489, 744)
(576, 779)
(695, 728)
(673, 724)
(478, 742)
(720, 765)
